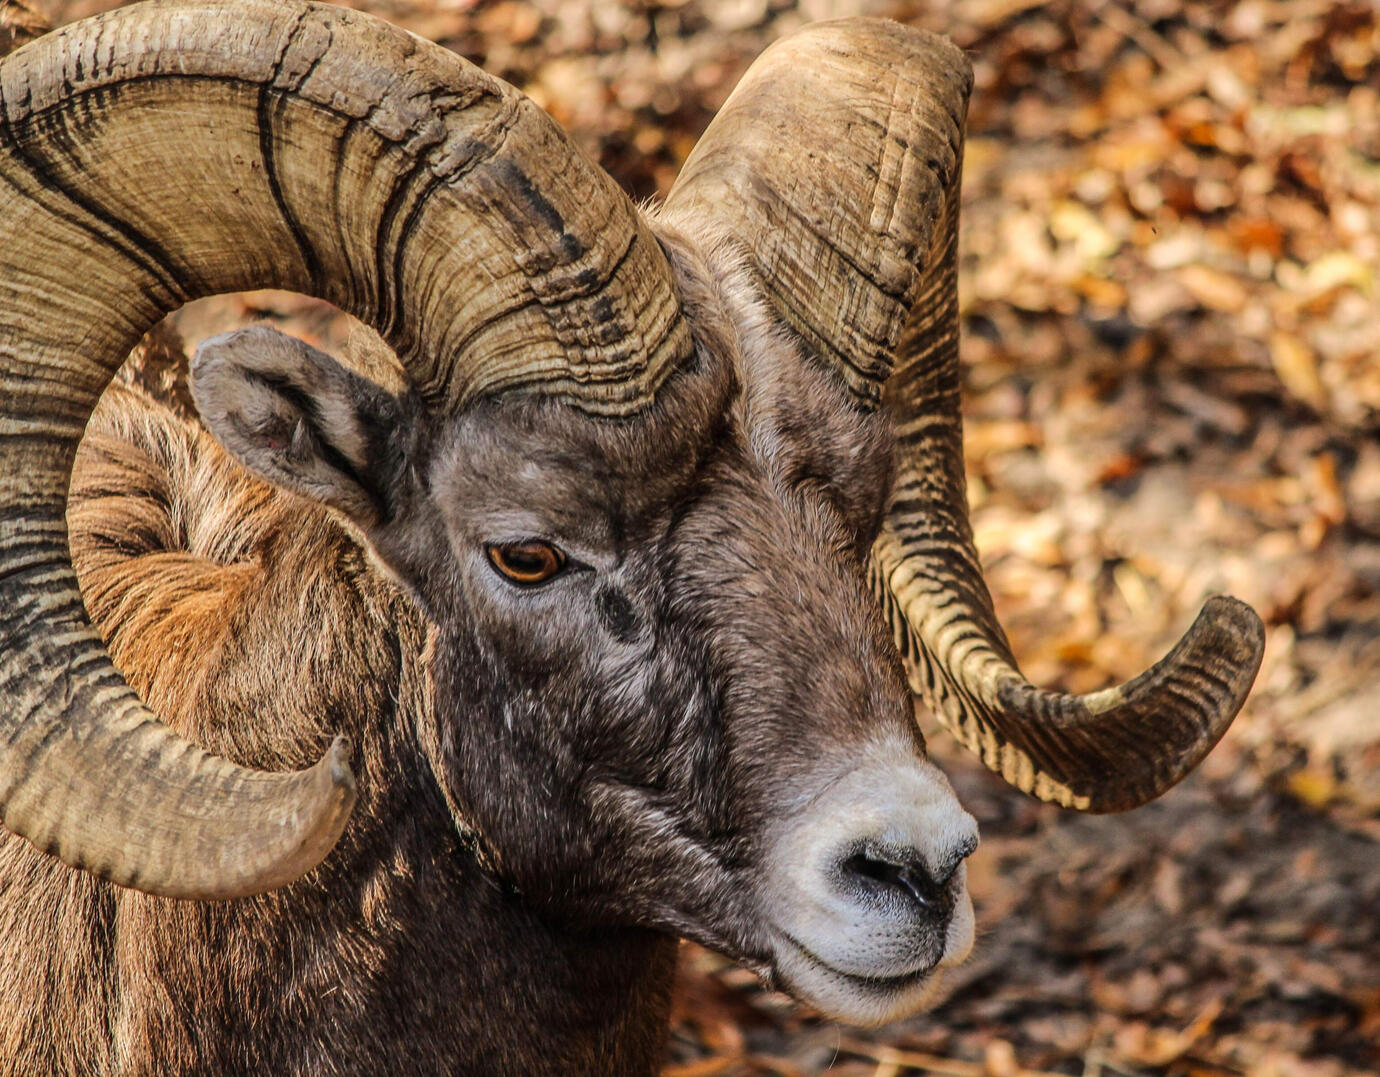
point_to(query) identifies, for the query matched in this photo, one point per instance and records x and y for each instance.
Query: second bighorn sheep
(589, 592)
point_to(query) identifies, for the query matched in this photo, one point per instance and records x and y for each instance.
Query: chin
(857, 1000)
(857, 997)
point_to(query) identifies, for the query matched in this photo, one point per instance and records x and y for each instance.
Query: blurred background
(1171, 245)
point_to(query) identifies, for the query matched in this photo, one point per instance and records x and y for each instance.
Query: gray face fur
(699, 723)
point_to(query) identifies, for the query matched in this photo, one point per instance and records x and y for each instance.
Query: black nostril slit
(868, 868)
(910, 879)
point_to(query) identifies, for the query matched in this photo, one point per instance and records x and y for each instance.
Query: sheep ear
(301, 420)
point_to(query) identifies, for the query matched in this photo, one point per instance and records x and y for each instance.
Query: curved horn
(839, 157)
(830, 160)
(168, 151)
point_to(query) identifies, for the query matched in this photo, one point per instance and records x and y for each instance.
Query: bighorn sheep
(589, 594)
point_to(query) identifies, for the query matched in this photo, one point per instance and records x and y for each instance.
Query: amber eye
(526, 563)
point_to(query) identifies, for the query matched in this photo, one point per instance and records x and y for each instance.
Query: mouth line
(871, 983)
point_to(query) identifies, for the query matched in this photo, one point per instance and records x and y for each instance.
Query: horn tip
(337, 764)
(1233, 633)
(1237, 617)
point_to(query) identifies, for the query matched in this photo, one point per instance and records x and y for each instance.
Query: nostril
(909, 878)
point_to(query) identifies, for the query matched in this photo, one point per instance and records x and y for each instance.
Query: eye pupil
(526, 562)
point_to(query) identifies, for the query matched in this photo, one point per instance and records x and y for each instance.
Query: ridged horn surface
(1106, 751)
(830, 161)
(837, 161)
(174, 150)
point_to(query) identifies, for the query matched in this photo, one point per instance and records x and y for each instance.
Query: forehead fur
(524, 444)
